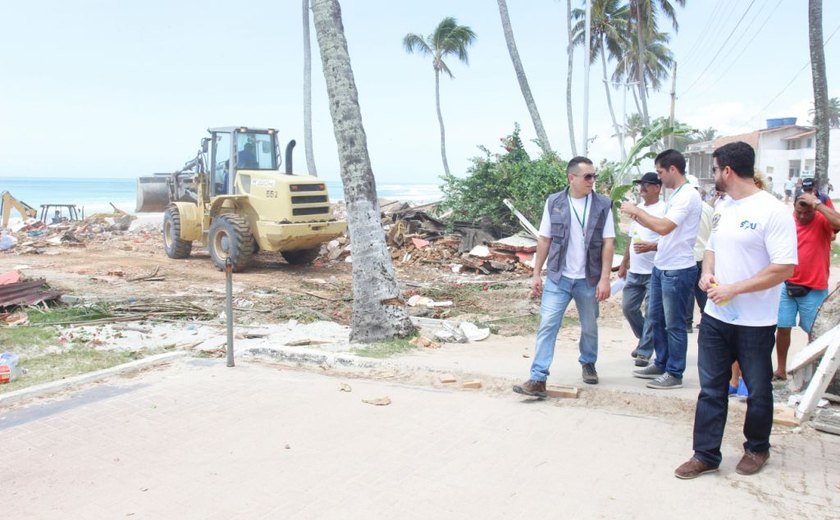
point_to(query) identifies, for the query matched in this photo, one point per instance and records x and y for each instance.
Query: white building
(781, 152)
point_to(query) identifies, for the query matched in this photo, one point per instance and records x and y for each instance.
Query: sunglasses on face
(588, 177)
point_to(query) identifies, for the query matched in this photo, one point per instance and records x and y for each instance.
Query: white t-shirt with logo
(676, 249)
(575, 266)
(748, 235)
(642, 263)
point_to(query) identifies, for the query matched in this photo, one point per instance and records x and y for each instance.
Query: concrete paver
(196, 439)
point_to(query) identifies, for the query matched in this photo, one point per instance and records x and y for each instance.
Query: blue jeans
(699, 297)
(635, 291)
(555, 299)
(720, 344)
(670, 292)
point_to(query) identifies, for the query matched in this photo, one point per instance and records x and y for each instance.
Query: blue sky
(94, 88)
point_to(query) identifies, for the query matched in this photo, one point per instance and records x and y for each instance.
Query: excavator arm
(8, 202)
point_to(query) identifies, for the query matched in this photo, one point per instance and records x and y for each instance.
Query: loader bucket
(152, 194)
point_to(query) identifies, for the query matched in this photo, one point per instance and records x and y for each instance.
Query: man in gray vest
(576, 237)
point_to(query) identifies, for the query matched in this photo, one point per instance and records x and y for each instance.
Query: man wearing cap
(809, 185)
(636, 267)
(576, 240)
(804, 292)
(703, 233)
(674, 271)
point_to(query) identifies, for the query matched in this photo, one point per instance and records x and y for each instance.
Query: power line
(789, 83)
(705, 33)
(722, 74)
(720, 49)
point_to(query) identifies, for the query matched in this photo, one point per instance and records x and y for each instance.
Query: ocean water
(94, 195)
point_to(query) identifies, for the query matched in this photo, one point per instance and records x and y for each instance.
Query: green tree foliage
(511, 175)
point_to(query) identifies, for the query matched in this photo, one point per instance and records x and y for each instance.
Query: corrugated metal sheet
(26, 293)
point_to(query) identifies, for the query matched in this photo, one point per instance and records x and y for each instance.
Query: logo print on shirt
(715, 221)
(746, 224)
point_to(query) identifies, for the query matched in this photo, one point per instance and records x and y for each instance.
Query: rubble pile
(416, 236)
(34, 236)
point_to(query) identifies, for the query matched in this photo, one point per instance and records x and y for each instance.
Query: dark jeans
(719, 345)
(699, 297)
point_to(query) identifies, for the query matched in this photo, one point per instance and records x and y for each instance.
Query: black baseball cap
(808, 184)
(649, 178)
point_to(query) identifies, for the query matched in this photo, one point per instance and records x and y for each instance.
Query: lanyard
(674, 195)
(581, 221)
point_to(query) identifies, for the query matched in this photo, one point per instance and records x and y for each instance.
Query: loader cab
(239, 148)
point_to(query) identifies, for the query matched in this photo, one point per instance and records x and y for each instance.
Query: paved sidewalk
(196, 439)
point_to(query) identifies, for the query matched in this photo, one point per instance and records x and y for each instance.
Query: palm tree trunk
(638, 107)
(616, 127)
(542, 137)
(307, 94)
(640, 70)
(378, 311)
(815, 40)
(440, 121)
(570, 50)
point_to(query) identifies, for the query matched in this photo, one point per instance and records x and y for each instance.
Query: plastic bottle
(9, 370)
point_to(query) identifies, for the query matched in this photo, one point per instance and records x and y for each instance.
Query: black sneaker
(590, 375)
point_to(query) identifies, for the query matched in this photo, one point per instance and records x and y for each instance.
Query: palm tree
(635, 127)
(523, 80)
(643, 21)
(708, 134)
(448, 38)
(832, 113)
(307, 94)
(656, 59)
(609, 20)
(378, 310)
(570, 50)
(821, 117)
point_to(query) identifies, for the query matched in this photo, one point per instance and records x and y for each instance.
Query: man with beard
(751, 251)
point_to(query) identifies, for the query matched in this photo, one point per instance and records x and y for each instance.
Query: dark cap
(808, 184)
(649, 178)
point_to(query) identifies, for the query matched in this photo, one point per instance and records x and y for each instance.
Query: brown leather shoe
(693, 469)
(531, 387)
(752, 462)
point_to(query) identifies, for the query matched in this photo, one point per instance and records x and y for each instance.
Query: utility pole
(587, 51)
(673, 102)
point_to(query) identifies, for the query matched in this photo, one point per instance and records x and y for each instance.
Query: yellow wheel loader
(233, 199)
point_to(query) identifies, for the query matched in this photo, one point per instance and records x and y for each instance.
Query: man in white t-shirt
(576, 245)
(703, 233)
(637, 265)
(751, 251)
(674, 271)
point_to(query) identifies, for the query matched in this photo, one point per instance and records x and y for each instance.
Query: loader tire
(174, 245)
(231, 237)
(301, 256)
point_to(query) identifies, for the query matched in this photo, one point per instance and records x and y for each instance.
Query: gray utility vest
(561, 224)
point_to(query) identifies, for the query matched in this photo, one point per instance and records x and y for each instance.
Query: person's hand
(602, 290)
(707, 280)
(808, 199)
(536, 286)
(622, 271)
(721, 293)
(629, 208)
(644, 247)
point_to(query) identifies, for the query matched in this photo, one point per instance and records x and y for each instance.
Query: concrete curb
(308, 356)
(56, 386)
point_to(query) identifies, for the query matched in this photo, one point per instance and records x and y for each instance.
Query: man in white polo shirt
(674, 271)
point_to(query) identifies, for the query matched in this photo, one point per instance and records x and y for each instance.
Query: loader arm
(8, 202)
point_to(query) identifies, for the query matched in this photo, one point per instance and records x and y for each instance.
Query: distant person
(576, 239)
(56, 217)
(636, 267)
(751, 251)
(790, 185)
(807, 288)
(674, 271)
